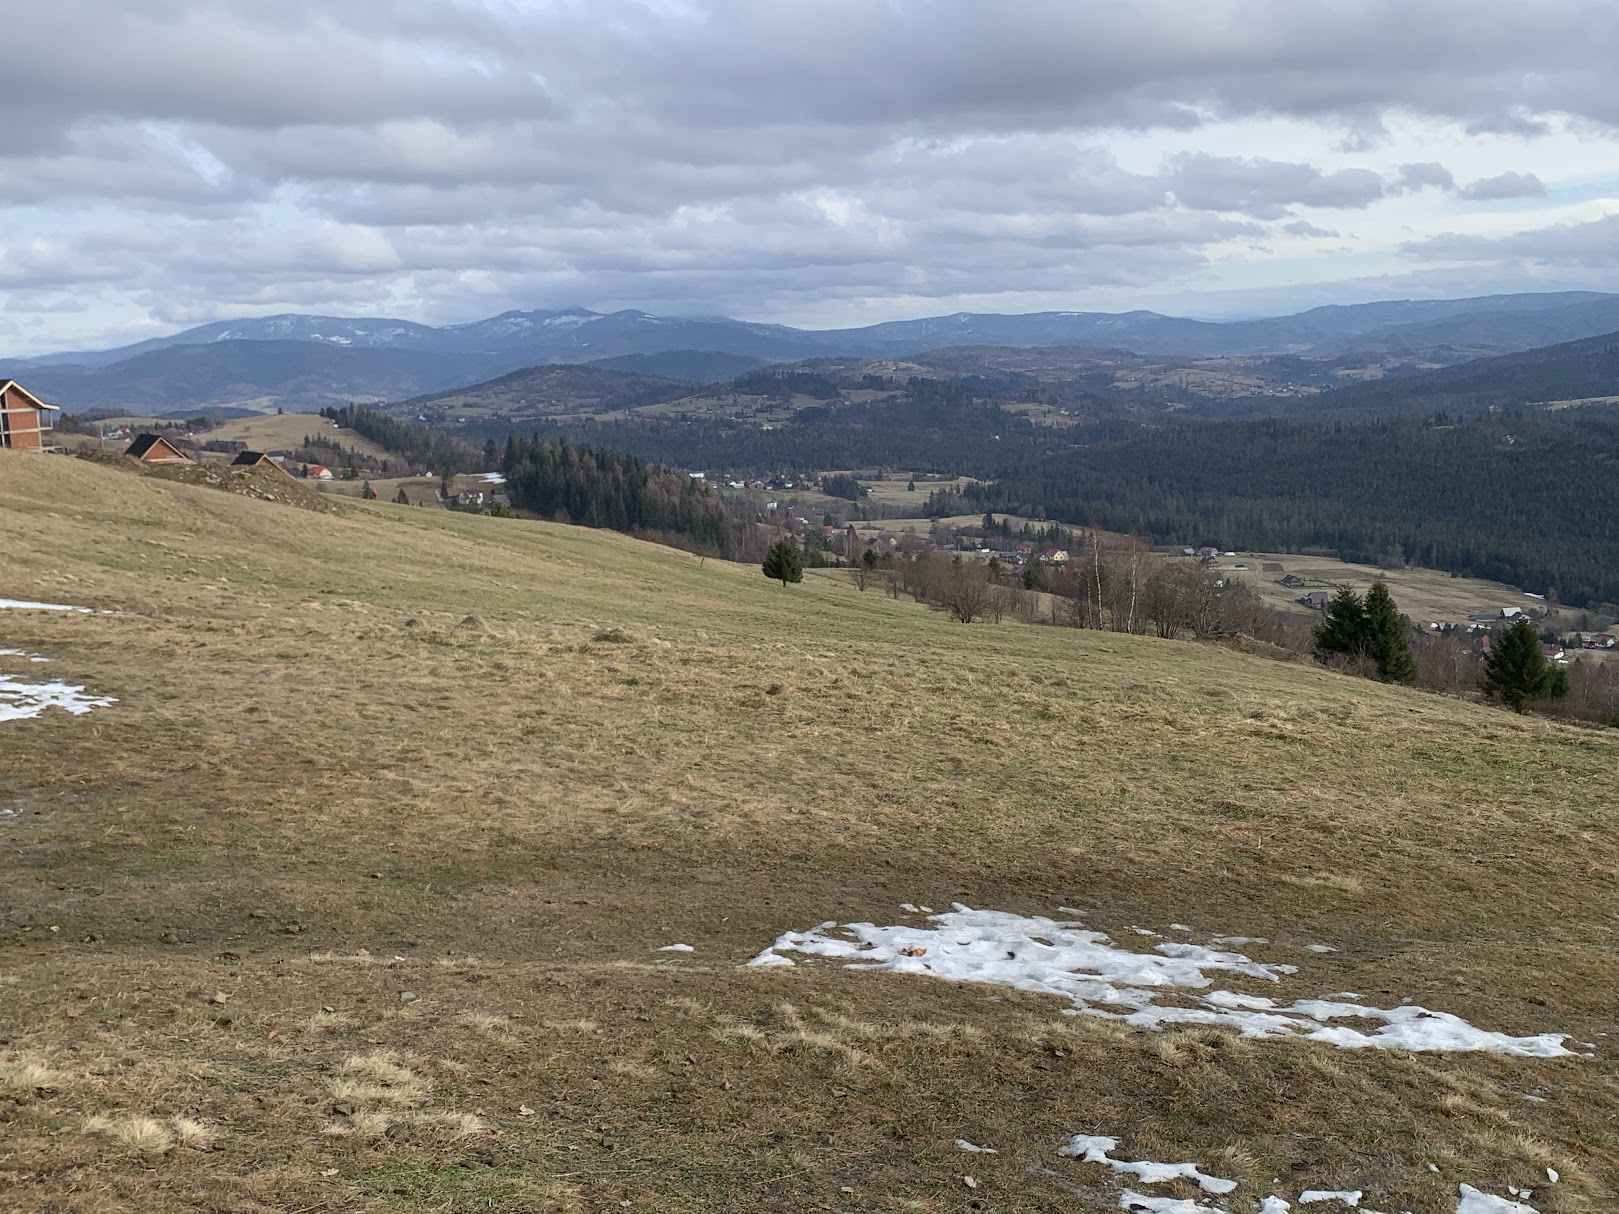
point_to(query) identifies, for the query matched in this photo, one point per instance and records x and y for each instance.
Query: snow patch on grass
(1064, 959)
(19, 699)
(22, 605)
(1475, 1202)
(1094, 1148)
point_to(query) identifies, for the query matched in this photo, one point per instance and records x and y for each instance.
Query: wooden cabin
(155, 449)
(24, 418)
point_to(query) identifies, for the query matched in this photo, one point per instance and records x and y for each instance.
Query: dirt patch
(265, 484)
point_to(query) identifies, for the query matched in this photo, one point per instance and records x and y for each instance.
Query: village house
(1316, 600)
(255, 459)
(24, 418)
(155, 449)
(319, 472)
(1600, 640)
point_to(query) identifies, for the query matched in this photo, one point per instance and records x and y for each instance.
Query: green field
(352, 901)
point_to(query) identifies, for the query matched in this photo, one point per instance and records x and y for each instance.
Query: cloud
(1505, 185)
(1586, 246)
(439, 158)
(1265, 188)
(1413, 177)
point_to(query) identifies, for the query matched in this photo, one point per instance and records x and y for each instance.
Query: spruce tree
(1387, 641)
(1516, 671)
(784, 563)
(1345, 630)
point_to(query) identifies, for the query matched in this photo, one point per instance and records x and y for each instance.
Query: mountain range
(304, 362)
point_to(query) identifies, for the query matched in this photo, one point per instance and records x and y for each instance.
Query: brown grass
(318, 791)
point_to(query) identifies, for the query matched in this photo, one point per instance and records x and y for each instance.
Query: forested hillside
(600, 488)
(1530, 498)
(937, 426)
(1574, 370)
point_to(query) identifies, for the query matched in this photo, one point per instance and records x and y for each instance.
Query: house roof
(249, 457)
(12, 385)
(146, 442)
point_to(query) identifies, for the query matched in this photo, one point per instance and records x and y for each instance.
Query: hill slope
(1573, 370)
(362, 878)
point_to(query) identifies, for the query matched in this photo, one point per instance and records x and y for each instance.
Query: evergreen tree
(1388, 642)
(402, 498)
(367, 492)
(1345, 629)
(785, 563)
(1517, 672)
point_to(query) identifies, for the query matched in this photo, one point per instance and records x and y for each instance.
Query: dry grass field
(352, 900)
(1426, 595)
(285, 431)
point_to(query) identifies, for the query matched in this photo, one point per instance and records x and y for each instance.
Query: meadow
(355, 898)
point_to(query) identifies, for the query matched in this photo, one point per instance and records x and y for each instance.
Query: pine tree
(784, 563)
(1389, 645)
(367, 492)
(1517, 672)
(403, 499)
(1344, 631)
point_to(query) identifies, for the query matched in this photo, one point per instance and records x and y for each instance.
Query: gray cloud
(1506, 185)
(1585, 246)
(1265, 188)
(441, 157)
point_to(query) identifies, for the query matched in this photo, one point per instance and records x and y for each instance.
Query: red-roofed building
(24, 418)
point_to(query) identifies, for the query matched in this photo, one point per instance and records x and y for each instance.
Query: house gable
(24, 418)
(155, 449)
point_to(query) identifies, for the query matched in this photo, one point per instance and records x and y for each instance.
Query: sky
(821, 163)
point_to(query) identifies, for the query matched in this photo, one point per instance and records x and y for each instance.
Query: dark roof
(249, 457)
(143, 444)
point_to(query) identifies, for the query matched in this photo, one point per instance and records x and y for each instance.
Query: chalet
(1600, 640)
(1316, 600)
(1553, 652)
(24, 418)
(319, 472)
(155, 449)
(255, 459)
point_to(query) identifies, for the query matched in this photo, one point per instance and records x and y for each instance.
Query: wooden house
(24, 418)
(155, 449)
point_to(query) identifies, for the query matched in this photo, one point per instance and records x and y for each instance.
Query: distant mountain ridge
(319, 360)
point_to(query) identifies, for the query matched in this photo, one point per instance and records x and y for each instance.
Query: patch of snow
(490, 478)
(1238, 941)
(1274, 1205)
(1130, 1200)
(676, 948)
(1552, 1175)
(1320, 948)
(1475, 1202)
(1050, 957)
(1181, 927)
(22, 653)
(19, 700)
(963, 1145)
(19, 603)
(1350, 1197)
(1095, 1148)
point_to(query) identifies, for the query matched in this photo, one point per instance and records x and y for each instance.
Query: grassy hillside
(360, 882)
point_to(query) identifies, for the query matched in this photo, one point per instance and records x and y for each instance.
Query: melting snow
(1320, 948)
(42, 606)
(1098, 978)
(19, 700)
(1131, 1200)
(1350, 1197)
(1092, 1148)
(963, 1145)
(1474, 1202)
(490, 478)
(676, 948)
(19, 653)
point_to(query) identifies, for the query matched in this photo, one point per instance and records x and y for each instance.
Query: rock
(343, 1110)
(407, 996)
